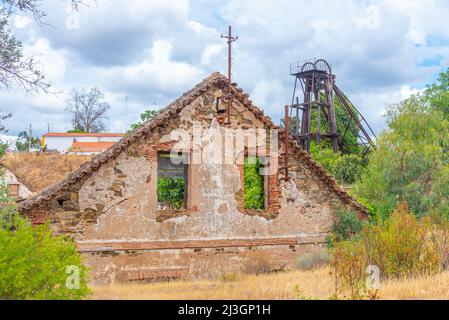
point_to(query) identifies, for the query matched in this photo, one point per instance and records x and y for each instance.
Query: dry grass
(315, 284)
(42, 170)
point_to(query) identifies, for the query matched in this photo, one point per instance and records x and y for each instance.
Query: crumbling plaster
(125, 193)
(118, 202)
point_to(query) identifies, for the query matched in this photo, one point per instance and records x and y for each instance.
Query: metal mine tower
(315, 92)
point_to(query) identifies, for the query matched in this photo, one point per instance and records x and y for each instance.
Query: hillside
(40, 171)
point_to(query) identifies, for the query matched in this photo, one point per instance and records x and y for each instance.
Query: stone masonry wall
(114, 218)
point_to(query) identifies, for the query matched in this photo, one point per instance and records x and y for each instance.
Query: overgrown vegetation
(405, 185)
(24, 142)
(145, 116)
(401, 246)
(303, 285)
(411, 162)
(170, 192)
(34, 264)
(259, 263)
(347, 226)
(313, 260)
(254, 194)
(346, 168)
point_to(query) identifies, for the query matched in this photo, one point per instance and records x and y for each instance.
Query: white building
(62, 142)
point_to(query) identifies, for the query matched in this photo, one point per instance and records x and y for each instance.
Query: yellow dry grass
(42, 170)
(317, 284)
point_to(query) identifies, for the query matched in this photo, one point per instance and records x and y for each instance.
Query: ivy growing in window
(170, 192)
(254, 191)
(171, 182)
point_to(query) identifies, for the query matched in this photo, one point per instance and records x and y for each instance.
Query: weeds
(400, 247)
(259, 263)
(313, 260)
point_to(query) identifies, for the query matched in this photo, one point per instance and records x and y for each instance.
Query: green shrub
(348, 265)
(400, 246)
(346, 226)
(254, 194)
(170, 192)
(313, 260)
(229, 276)
(34, 265)
(347, 168)
(259, 263)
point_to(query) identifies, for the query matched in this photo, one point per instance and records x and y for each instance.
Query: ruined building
(126, 231)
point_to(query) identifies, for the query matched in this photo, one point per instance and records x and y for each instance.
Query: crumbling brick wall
(113, 213)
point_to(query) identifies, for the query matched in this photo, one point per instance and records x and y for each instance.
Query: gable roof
(215, 79)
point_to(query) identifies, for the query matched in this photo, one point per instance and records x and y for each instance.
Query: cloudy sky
(152, 51)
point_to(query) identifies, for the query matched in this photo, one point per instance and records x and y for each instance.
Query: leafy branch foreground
(35, 265)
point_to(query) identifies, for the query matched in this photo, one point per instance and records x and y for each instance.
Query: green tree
(411, 162)
(346, 168)
(3, 129)
(25, 142)
(170, 192)
(76, 131)
(145, 116)
(437, 94)
(347, 226)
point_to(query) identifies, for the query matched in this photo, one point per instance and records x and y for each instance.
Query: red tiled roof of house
(91, 146)
(100, 135)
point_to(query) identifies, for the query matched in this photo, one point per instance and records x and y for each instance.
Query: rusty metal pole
(229, 72)
(230, 40)
(287, 130)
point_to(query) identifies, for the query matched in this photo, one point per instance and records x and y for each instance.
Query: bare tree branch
(88, 111)
(14, 68)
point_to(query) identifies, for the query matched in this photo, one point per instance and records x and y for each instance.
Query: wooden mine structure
(318, 89)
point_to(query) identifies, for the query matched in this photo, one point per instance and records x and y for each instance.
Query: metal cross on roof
(230, 39)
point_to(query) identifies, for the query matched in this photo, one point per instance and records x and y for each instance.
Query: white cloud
(426, 17)
(211, 51)
(157, 71)
(52, 62)
(152, 51)
(21, 22)
(372, 19)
